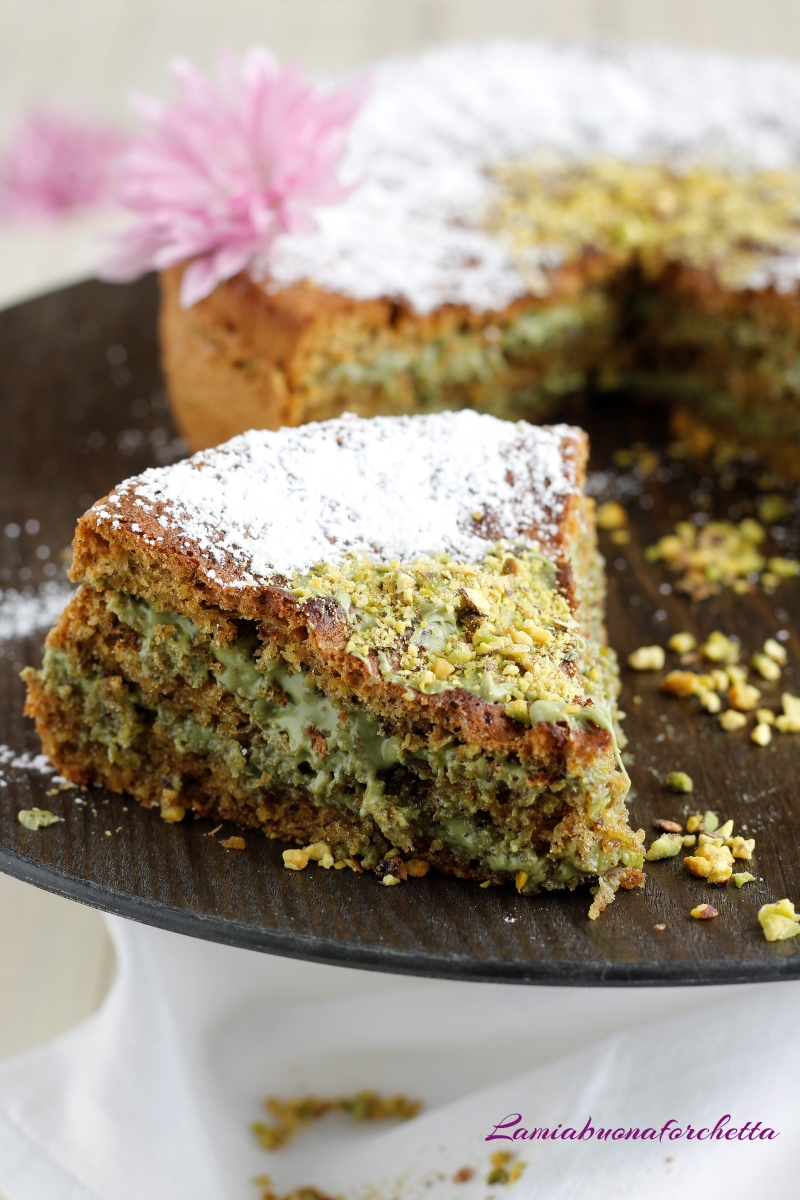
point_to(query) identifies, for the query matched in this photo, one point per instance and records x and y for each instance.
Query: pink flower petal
(230, 166)
(57, 163)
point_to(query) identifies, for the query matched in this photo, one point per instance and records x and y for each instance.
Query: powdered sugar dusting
(271, 503)
(421, 146)
(22, 614)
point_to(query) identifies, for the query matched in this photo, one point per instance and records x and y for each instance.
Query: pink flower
(229, 167)
(57, 163)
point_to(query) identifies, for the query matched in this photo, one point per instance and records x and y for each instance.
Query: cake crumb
(233, 843)
(660, 927)
(682, 643)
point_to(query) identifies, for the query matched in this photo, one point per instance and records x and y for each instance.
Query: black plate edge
(394, 962)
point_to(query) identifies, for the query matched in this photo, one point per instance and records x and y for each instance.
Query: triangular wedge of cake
(381, 639)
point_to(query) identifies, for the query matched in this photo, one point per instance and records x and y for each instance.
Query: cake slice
(382, 635)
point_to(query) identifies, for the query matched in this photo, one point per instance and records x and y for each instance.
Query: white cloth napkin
(152, 1097)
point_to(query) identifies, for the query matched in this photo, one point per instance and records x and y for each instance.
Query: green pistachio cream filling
(499, 629)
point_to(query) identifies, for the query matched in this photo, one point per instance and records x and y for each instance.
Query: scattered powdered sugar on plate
(420, 149)
(22, 614)
(269, 503)
(38, 763)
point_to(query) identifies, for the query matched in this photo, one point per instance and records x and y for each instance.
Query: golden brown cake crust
(247, 357)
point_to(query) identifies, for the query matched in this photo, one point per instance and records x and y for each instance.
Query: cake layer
(455, 705)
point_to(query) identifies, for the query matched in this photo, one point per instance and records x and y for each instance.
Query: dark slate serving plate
(82, 406)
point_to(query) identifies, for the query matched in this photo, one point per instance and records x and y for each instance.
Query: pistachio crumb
(767, 667)
(37, 818)
(789, 721)
(611, 515)
(690, 839)
(765, 716)
(775, 651)
(665, 846)
(744, 697)
(682, 643)
(647, 658)
(660, 927)
(679, 781)
(779, 921)
(295, 860)
(704, 912)
(731, 720)
(761, 735)
(740, 878)
(694, 823)
(667, 826)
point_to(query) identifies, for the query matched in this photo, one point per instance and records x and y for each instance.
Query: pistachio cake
(530, 221)
(385, 635)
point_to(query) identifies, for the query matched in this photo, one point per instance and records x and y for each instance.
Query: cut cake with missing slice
(381, 635)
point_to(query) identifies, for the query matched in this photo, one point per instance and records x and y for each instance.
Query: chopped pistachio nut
(438, 624)
(518, 710)
(779, 921)
(744, 697)
(721, 554)
(679, 781)
(765, 716)
(767, 667)
(772, 508)
(710, 701)
(667, 826)
(680, 683)
(731, 720)
(37, 818)
(320, 852)
(710, 861)
(725, 831)
(789, 722)
(710, 821)
(762, 734)
(173, 814)
(784, 568)
(694, 823)
(611, 515)
(390, 880)
(666, 846)
(720, 680)
(736, 675)
(682, 643)
(741, 847)
(718, 648)
(740, 878)
(775, 651)
(295, 860)
(647, 658)
(690, 839)
(704, 912)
